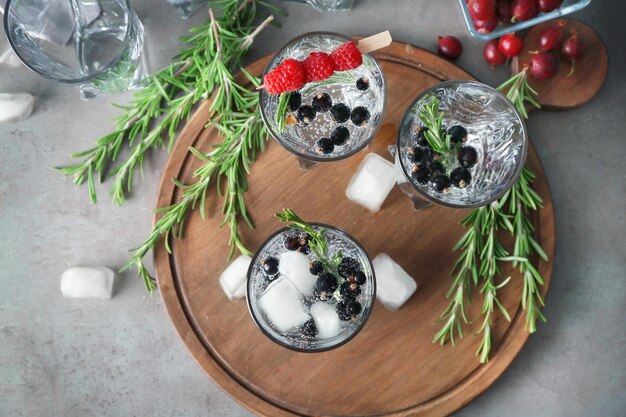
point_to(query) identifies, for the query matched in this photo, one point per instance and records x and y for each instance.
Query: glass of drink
(94, 44)
(488, 145)
(307, 300)
(329, 119)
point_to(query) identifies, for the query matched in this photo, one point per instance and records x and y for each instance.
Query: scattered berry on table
(342, 311)
(318, 66)
(421, 173)
(322, 103)
(492, 53)
(340, 112)
(357, 278)
(270, 266)
(544, 65)
(340, 135)
(363, 84)
(551, 37)
(457, 133)
(437, 167)
(467, 156)
(292, 242)
(290, 75)
(316, 267)
(419, 154)
(324, 146)
(360, 116)
(348, 266)
(305, 114)
(511, 44)
(295, 101)
(460, 177)
(326, 282)
(346, 57)
(441, 183)
(449, 47)
(353, 308)
(573, 49)
(524, 10)
(309, 328)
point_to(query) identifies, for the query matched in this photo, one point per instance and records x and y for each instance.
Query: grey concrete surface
(122, 358)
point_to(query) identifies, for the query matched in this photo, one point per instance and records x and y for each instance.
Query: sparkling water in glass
(290, 296)
(496, 130)
(301, 140)
(328, 5)
(95, 44)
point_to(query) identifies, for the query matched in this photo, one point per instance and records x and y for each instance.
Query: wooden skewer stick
(374, 42)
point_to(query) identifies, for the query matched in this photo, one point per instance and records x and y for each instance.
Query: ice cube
(87, 282)
(393, 285)
(281, 304)
(233, 279)
(372, 182)
(326, 320)
(295, 266)
(14, 107)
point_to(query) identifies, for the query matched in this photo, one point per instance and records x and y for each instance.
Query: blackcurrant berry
(295, 100)
(316, 267)
(353, 307)
(326, 282)
(467, 156)
(348, 266)
(322, 103)
(305, 114)
(362, 84)
(340, 135)
(441, 183)
(419, 154)
(270, 266)
(292, 242)
(421, 138)
(436, 168)
(349, 291)
(360, 116)
(340, 113)
(421, 173)
(457, 134)
(342, 311)
(461, 177)
(324, 146)
(309, 328)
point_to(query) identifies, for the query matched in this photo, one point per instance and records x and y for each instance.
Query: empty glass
(495, 130)
(96, 44)
(287, 301)
(301, 139)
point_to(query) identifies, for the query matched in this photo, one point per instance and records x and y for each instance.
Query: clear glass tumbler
(309, 303)
(328, 5)
(302, 139)
(95, 44)
(495, 130)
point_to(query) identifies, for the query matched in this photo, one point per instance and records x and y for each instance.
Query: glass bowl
(288, 333)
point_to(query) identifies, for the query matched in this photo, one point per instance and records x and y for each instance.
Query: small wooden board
(391, 368)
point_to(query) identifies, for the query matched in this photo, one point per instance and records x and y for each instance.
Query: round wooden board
(562, 92)
(391, 368)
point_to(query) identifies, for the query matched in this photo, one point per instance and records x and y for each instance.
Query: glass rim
(257, 321)
(518, 169)
(287, 145)
(97, 73)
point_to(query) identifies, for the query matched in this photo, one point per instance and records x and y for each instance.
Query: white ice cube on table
(393, 285)
(233, 279)
(14, 107)
(87, 282)
(295, 266)
(282, 307)
(326, 320)
(372, 182)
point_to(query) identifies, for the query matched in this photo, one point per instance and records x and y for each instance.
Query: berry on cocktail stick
(324, 146)
(544, 65)
(318, 66)
(322, 103)
(573, 49)
(460, 177)
(346, 57)
(449, 47)
(340, 112)
(290, 75)
(467, 156)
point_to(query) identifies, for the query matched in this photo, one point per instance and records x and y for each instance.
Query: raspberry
(288, 76)
(346, 57)
(318, 66)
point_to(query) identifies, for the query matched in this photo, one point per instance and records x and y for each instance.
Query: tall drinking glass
(95, 44)
(361, 90)
(486, 159)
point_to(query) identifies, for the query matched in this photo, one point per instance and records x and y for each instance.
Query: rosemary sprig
(214, 49)
(318, 241)
(519, 91)
(281, 111)
(432, 118)
(339, 77)
(481, 255)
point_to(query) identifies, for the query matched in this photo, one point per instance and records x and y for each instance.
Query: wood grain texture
(391, 368)
(561, 92)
